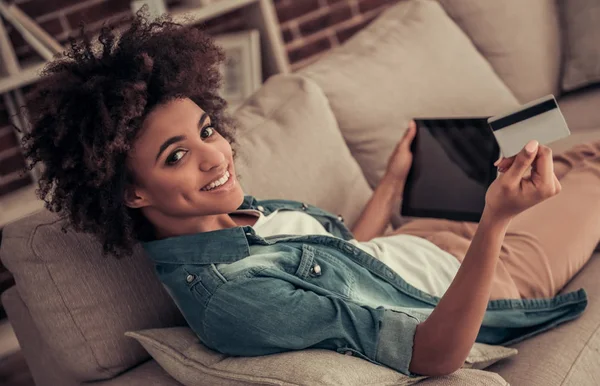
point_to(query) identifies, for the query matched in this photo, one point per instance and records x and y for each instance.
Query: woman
(136, 147)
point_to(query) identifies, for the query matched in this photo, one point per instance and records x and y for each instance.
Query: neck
(171, 227)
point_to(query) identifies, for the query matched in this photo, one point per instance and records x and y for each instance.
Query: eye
(212, 130)
(175, 157)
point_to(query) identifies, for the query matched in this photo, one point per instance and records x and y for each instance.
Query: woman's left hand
(400, 161)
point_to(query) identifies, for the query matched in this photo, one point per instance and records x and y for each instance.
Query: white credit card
(540, 119)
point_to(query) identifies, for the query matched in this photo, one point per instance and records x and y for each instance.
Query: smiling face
(174, 158)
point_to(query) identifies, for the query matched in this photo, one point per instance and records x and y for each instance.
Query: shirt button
(260, 208)
(315, 270)
(190, 278)
(348, 353)
(340, 217)
(304, 206)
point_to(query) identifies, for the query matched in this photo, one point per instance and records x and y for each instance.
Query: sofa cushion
(147, 374)
(568, 354)
(580, 108)
(581, 34)
(82, 302)
(290, 147)
(181, 354)
(521, 40)
(466, 377)
(413, 61)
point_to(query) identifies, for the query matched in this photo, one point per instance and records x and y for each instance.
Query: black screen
(453, 166)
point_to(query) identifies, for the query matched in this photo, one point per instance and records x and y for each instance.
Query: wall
(309, 28)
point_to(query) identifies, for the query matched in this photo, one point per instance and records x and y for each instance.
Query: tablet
(452, 168)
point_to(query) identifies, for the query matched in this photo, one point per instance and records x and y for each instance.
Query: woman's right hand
(513, 191)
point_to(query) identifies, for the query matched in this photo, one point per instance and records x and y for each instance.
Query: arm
(266, 315)
(443, 341)
(377, 213)
(388, 194)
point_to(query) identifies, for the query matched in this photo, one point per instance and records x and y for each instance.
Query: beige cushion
(466, 377)
(82, 302)
(290, 147)
(147, 374)
(413, 61)
(181, 354)
(580, 108)
(581, 39)
(521, 40)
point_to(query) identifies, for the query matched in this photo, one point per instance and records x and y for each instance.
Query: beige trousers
(546, 245)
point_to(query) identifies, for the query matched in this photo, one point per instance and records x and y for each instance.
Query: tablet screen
(453, 166)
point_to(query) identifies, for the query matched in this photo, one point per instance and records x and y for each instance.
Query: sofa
(320, 136)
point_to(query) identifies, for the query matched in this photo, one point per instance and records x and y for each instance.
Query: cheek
(174, 182)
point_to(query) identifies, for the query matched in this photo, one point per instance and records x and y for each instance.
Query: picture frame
(242, 68)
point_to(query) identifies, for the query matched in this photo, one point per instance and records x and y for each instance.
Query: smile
(224, 183)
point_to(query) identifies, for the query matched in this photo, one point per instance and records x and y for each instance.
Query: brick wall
(309, 29)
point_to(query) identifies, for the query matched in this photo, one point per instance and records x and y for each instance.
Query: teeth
(218, 182)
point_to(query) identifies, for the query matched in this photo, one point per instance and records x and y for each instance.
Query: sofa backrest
(520, 39)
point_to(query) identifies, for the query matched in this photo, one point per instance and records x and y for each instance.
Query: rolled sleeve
(262, 316)
(396, 337)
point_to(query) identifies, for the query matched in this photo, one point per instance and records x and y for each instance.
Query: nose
(211, 158)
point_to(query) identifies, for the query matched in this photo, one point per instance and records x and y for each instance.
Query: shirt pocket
(325, 270)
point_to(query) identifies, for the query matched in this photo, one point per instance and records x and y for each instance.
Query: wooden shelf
(260, 14)
(28, 75)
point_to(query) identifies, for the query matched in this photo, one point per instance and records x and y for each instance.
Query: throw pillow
(520, 39)
(413, 61)
(185, 358)
(581, 34)
(290, 147)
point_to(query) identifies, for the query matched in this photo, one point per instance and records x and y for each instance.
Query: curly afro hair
(89, 105)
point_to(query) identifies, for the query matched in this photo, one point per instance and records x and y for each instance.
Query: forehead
(167, 119)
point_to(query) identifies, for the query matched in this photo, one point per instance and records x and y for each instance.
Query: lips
(228, 182)
(217, 179)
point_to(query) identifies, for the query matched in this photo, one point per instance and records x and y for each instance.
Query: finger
(557, 185)
(543, 165)
(506, 163)
(410, 133)
(522, 161)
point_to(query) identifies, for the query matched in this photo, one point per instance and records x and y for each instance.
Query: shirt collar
(220, 246)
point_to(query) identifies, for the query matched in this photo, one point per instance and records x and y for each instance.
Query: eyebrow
(179, 138)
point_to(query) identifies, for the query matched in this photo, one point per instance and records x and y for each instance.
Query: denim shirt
(245, 295)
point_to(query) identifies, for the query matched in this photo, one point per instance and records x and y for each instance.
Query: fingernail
(531, 146)
(498, 161)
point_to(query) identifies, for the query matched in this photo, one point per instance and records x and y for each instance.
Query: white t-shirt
(418, 261)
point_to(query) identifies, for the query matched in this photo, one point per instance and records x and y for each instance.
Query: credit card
(540, 119)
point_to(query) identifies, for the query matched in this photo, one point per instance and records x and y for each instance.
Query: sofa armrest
(44, 369)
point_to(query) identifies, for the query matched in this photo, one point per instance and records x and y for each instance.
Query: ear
(134, 198)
